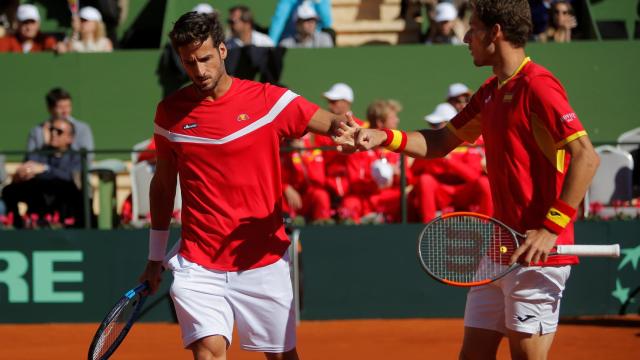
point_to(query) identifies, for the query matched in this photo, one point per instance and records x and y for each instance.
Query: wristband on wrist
(558, 217)
(396, 140)
(158, 244)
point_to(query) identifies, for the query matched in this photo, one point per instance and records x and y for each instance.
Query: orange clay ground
(609, 338)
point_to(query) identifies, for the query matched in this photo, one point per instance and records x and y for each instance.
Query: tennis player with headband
(222, 135)
(540, 163)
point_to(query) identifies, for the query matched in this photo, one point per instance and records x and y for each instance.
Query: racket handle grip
(590, 250)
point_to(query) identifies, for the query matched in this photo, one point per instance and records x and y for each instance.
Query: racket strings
(113, 328)
(466, 249)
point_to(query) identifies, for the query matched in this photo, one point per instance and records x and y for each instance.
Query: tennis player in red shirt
(222, 136)
(540, 163)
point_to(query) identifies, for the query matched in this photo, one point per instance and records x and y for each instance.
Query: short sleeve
(296, 112)
(548, 104)
(163, 145)
(467, 124)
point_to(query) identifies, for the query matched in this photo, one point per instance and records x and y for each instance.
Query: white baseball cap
(204, 8)
(339, 91)
(443, 112)
(382, 173)
(27, 12)
(457, 89)
(90, 13)
(306, 12)
(445, 12)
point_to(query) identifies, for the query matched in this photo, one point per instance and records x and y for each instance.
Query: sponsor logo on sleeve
(569, 117)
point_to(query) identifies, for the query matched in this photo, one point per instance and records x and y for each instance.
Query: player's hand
(367, 139)
(536, 247)
(152, 275)
(345, 134)
(293, 197)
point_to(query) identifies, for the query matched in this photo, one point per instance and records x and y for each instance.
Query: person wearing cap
(283, 22)
(458, 96)
(242, 30)
(457, 181)
(442, 29)
(307, 34)
(89, 32)
(28, 37)
(339, 101)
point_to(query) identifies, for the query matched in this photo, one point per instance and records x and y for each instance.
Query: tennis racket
(117, 323)
(468, 249)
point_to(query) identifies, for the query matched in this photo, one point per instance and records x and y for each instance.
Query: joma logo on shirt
(569, 117)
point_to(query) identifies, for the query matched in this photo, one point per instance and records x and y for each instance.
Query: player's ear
(496, 32)
(222, 49)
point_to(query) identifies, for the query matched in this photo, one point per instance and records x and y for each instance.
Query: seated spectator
(28, 37)
(8, 10)
(242, 30)
(283, 22)
(303, 179)
(442, 30)
(89, 34)
(46, 181)
(339, 100)
(59, 105)
(455, 182)
(561, 24)
(306, 35)
(374, 196)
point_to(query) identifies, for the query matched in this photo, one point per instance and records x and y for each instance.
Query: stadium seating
(612, 183)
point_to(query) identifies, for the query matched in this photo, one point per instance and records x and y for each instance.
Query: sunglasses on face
(57, 131)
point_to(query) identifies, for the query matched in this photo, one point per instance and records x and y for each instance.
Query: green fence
(349, 272)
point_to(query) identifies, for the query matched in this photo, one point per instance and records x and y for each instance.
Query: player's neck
(221, 88)
(508, 61)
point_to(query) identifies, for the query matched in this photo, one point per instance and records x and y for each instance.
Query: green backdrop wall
(117, 93)
(349, 272)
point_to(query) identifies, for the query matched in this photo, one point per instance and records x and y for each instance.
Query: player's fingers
(516, 254)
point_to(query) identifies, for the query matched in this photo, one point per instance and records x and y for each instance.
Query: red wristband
(558, 217)
(389, 137)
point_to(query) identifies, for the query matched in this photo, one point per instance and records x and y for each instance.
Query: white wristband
(158, 244)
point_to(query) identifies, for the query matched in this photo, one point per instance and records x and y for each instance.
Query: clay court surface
(609, 338)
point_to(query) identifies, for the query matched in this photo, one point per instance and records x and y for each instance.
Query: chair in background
(141, 175)
(630, 141)
(612, 182)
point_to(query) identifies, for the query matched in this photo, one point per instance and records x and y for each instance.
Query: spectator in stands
(307, 34)
(444, 22)
(283, 22)
(339, 101)
(46, 181)
(456, 182)
(458, 96)
(561, 24)
(374, 191)
(242, 30)
(303, 180)
(28, 37)
(89, 34)
(112, 14)
(59, 105)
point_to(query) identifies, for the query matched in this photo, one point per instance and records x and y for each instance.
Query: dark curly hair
(194, 27)
(514, 17)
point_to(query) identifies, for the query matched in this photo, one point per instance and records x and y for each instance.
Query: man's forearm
(161, 198)
(582, 169)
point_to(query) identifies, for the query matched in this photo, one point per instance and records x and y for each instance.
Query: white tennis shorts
(525, 300)
(260, 301)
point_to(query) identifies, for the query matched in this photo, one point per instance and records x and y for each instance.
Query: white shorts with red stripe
(525, 300)
(259, 300)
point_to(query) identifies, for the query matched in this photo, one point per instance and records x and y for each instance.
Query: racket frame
(140, 289)
(516, 238)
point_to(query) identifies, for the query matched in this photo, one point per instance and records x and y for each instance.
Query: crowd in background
(294, 24)
(320, 185)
